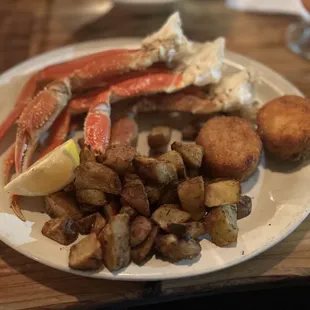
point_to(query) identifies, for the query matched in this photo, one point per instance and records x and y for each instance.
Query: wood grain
(30, 27)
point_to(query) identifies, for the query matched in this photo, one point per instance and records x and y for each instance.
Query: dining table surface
(31, 27)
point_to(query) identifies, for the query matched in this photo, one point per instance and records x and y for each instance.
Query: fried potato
(140, 253)
(134, 194)
(191, 153)
(128, 210)
(175, 158)
(175, 249)
(170, 194)
(69, 188)
(191, 194)
(222, 192)
(60, 203)
(221, 224)
(91, 196)
(111, 209)
(60, 230)
(114, 239)
(169, 213)
(99, 224)
(87, 155)
(192, 230)
(153, 193)
(159, 137)
(139, 230)
(244, 207)
(86, 254)
(232, 147)
(92, 175)
(284, 127)
(119, 157)
(84, 225)
(88, 209)
(155, 171)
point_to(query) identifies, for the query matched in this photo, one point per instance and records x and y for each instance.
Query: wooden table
(29, 27)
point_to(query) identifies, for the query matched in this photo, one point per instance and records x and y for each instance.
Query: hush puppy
(232, 148)
(284, 127)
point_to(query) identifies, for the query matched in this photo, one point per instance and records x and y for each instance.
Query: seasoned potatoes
(140, 228)
(222, 192)
(175, 158)
(159, 137)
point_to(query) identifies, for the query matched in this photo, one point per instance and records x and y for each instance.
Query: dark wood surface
(30, 27)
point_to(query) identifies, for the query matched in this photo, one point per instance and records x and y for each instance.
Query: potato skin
(139, 230)
(91, 196)
(221, 224)
(284, 127)
(244, 207)
(128, 210)
(191, 195)
(175, 158)
(232, 147)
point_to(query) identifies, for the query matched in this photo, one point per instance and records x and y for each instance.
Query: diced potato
(175, 249)
(60, 230)
(159, 137)
(155, 171)
(189, 132)
(91, 175)
(86, 254)
(134, 194)
(222, 192)
(91, 196)
(191, 153)
(128, 210)
(139, 230)
(119, 157)
(221, 224)
(99, 224)
(170, 194)
(114, 239)
(83, 226)
(60, 203)
(169, 213)
(191, 195)
(153, 193)
(141, 253)
(244, 207)
(175, 158)
(192, 230)
(87, 155)
(88, 209)
(111, 209)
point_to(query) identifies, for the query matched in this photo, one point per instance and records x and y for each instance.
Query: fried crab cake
(284, 127)
(232, 147)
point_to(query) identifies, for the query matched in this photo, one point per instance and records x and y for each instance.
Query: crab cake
(232, 147)
(284, 127)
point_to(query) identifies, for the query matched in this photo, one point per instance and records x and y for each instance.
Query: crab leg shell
(8, 164)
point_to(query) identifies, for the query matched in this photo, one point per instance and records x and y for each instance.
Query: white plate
(281, 194)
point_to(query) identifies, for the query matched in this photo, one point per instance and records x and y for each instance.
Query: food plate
(281, 199)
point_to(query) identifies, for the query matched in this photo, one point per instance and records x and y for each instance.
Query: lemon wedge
(49, 174)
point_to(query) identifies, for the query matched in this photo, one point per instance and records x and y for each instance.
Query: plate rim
(22, 66)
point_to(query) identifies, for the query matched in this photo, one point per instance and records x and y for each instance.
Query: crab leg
(38, 116)
(8, 164)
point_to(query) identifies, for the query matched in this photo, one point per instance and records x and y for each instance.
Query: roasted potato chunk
(128, 210)
(83, 226)
(155, 171)
(222, 192)
(244, 207)
(60, 204)
(134, 194)
(221, 224)
(192, 230)
(191, 153)
(69, 188)
(140, 253)
(191, 194)
(88, 209)
(159, 137)
(114, 239)
(111, 209)
(139, 230)
(99, 224)
(175, 158)
(170, 194)
(153, 193)
(86, 254)
(91, 196)
(119, 157)
(169, 213)
(60, 230)
(175, 249)
(92, 175)
(87, 155)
